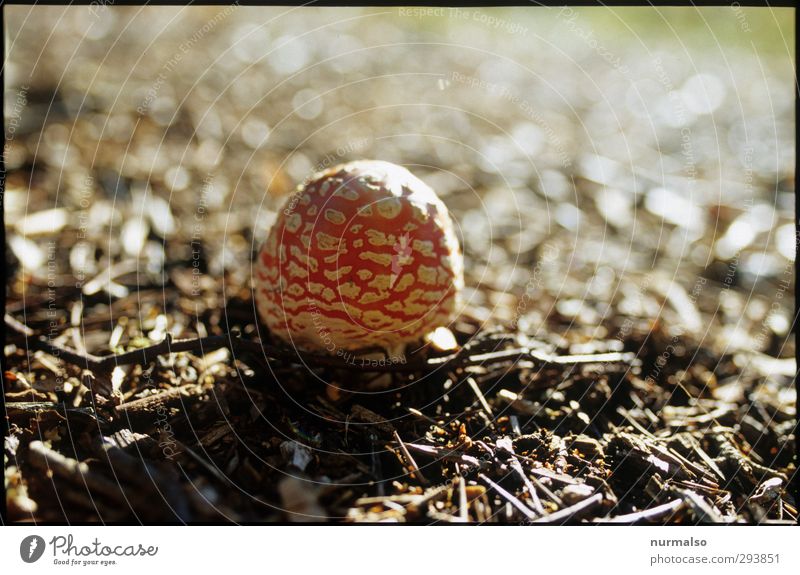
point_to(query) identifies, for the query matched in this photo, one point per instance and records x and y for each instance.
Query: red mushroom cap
(364, 254)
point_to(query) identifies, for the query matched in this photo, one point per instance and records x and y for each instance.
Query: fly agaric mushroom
(363, 254)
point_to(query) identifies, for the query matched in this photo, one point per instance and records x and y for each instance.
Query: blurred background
(626, 139)
(618, 175)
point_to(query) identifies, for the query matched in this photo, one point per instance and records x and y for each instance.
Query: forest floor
(620, 356)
